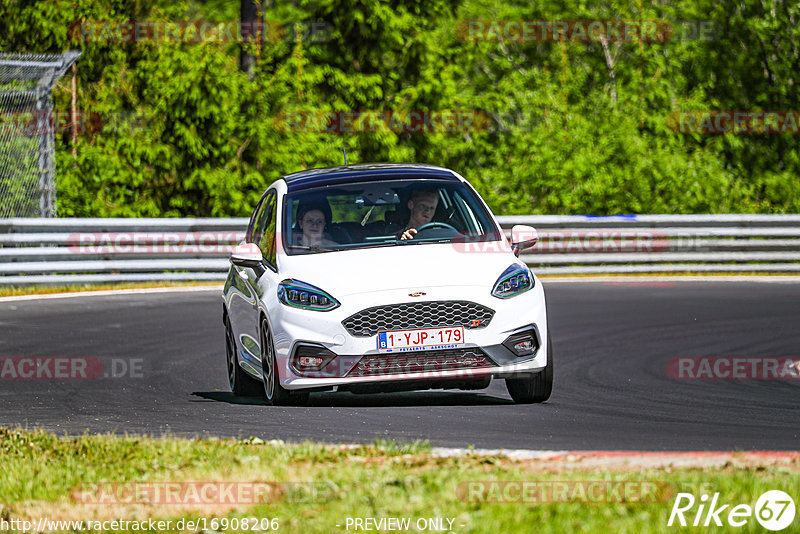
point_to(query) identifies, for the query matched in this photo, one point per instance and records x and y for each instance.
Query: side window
(267, 225)
(252, 228)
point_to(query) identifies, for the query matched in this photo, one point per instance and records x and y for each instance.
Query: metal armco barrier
(77, 251)
(577, 244)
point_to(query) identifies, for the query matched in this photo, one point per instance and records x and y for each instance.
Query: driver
(422, 206)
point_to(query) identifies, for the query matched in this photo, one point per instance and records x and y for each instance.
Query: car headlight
(514, 280)
(301, 295)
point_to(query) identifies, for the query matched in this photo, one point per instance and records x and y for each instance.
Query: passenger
(312, 219)
(422, 206)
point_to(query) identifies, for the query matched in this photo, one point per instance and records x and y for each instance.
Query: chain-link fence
(27, 132)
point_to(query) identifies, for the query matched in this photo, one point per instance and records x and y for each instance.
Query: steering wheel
(436, 225)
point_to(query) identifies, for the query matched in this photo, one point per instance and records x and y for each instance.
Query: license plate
(421, 338)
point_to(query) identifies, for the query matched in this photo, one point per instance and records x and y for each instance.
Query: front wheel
(275, 393)
(242, 384)
(537, 387)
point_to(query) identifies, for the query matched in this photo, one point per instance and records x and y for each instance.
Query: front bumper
(485, 353)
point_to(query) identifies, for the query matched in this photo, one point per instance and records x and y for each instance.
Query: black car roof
(310, 178)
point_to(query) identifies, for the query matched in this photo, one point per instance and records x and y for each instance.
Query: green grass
(13, 291)
(40, 472)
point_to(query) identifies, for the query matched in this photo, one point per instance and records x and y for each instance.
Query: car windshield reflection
(387, 213)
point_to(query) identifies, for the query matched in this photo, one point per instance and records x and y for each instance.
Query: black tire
(242, 384)
(536, 387)
(275, 394)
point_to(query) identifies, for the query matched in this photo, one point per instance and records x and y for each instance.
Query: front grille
(411, 315)
(423, 361)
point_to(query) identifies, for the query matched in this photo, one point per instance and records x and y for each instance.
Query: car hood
(413, 267)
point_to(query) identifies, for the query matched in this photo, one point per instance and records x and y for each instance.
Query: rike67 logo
(774, 510)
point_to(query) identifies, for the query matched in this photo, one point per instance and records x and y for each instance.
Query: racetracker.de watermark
(197, 32)
(734, 122)
(69, 368)
(585, 31)
(39, 122)
(189, 243)
(383, 121)
(636, 241)
(572, 491)
(202, 492)
(406, 363)
(733, 368)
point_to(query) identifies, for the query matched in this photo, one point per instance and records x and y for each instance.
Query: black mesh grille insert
(410, 315)
(423, 361)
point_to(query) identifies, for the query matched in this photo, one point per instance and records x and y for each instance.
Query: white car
(377, 278)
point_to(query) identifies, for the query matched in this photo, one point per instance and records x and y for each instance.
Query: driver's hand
(409, 234)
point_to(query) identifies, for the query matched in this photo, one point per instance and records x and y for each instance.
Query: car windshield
(385, 213)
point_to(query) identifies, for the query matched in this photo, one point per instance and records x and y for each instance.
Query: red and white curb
(631, 458)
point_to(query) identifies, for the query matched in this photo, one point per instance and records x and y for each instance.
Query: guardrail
(630, 244)
(77, 251)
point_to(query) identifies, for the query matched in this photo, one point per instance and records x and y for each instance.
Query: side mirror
(523, 237)
(248, 255)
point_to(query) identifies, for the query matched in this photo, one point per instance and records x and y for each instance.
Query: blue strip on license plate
(382, 340)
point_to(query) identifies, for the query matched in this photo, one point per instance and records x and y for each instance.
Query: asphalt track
(612, 341)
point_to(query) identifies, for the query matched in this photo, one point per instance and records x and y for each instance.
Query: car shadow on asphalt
(228, 397)
(350, 400)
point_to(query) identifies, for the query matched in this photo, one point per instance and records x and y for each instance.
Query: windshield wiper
(416, 241)
(313, 248)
